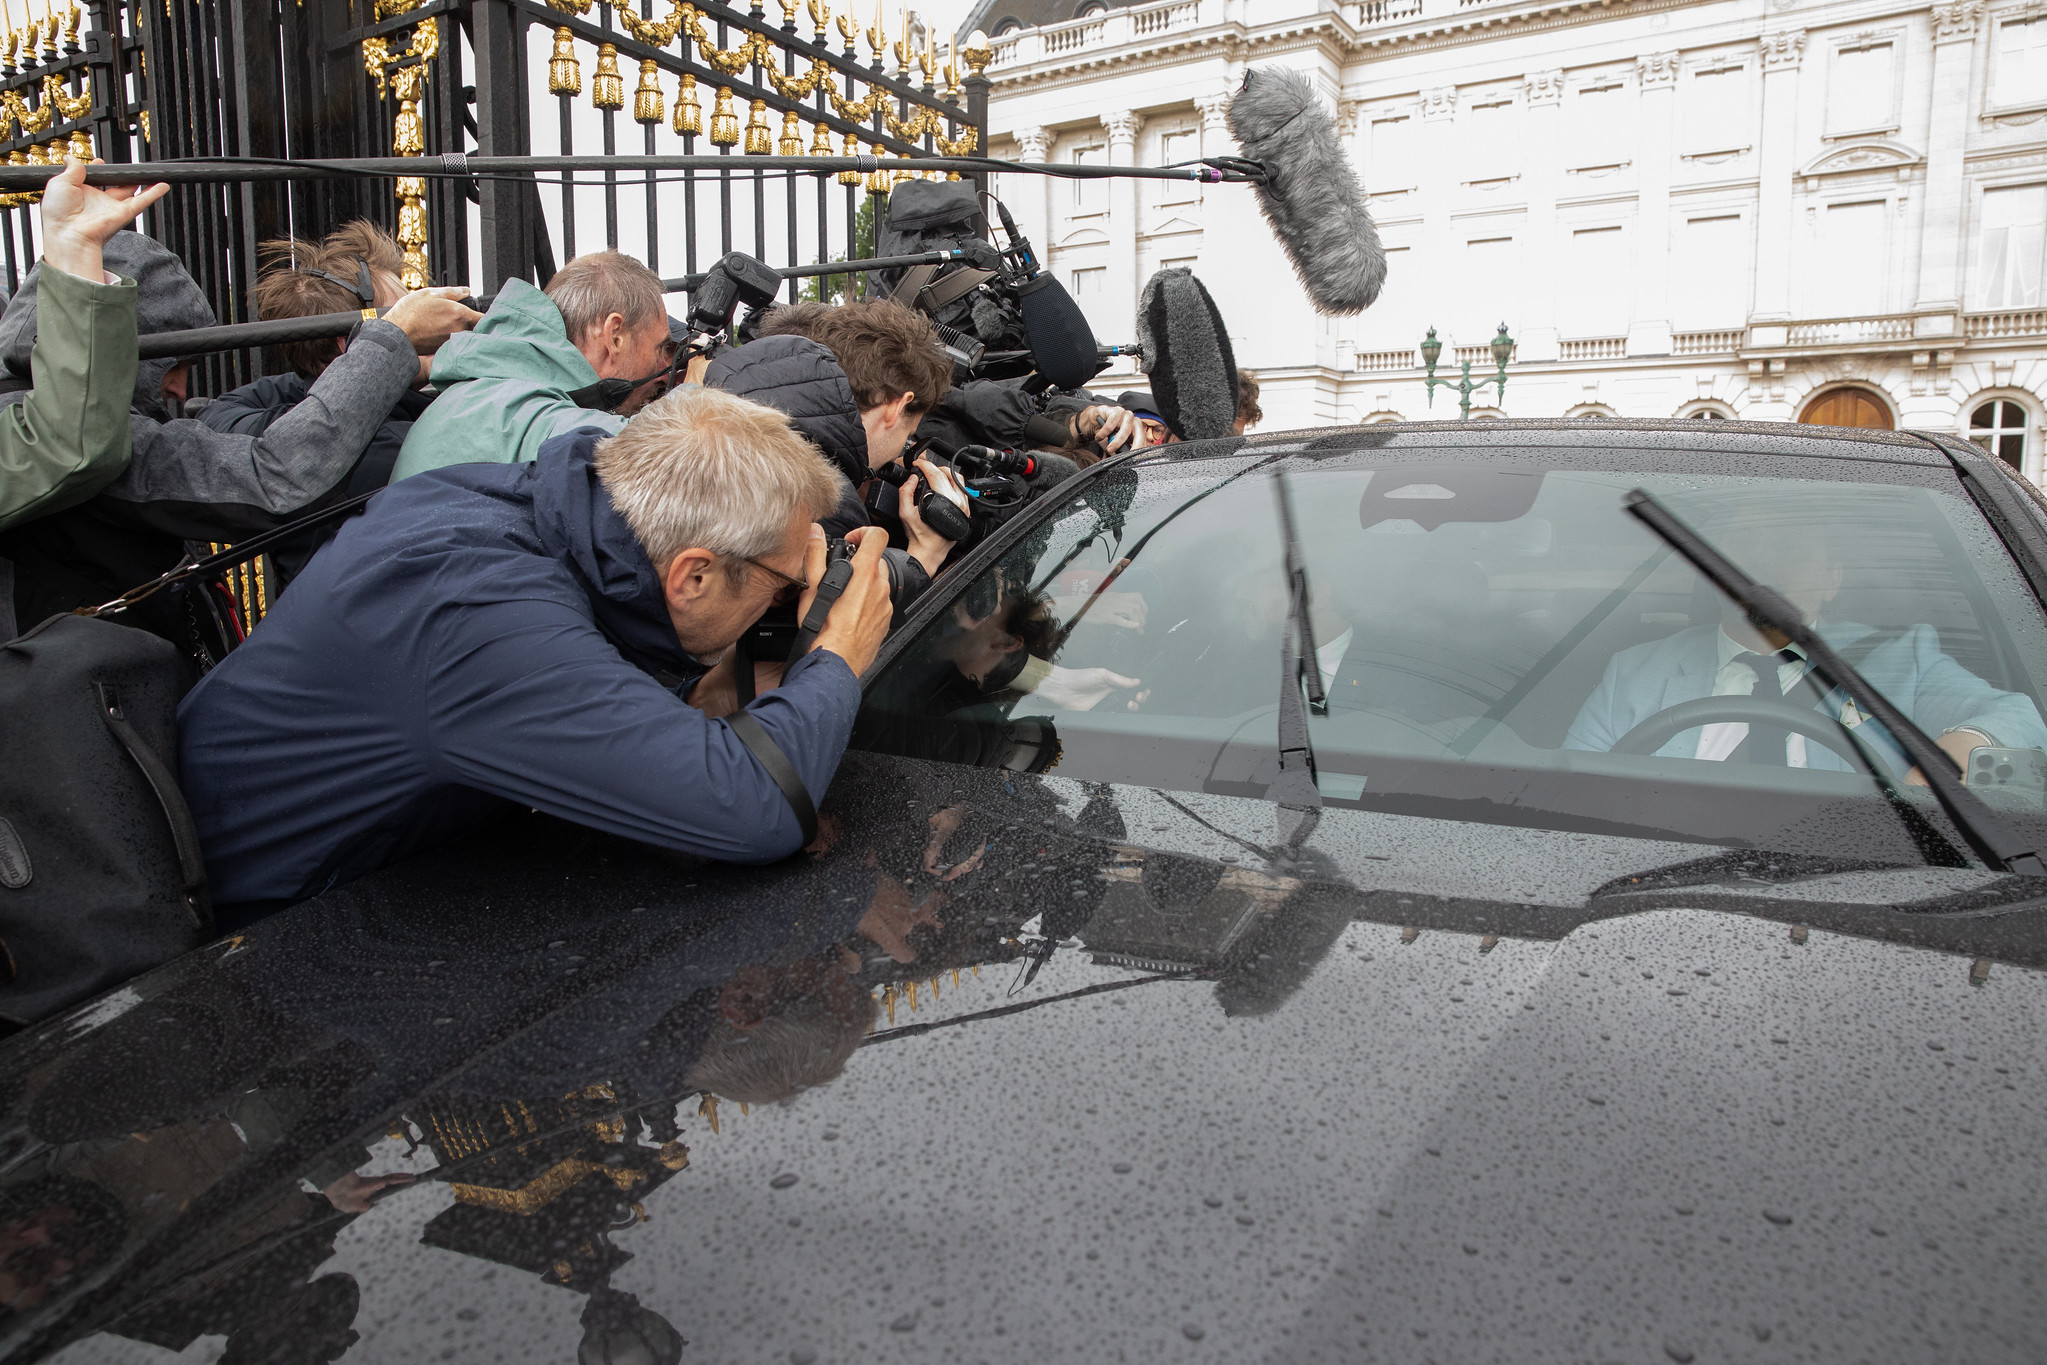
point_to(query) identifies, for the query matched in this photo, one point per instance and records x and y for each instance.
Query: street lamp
(1502, 348)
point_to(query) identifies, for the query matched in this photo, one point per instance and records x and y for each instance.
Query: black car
(1354, 895)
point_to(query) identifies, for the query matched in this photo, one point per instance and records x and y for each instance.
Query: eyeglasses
(791, 589)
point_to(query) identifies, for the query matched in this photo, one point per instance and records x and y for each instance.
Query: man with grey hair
(534, 366)
(536, 635)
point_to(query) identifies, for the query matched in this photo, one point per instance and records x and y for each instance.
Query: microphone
(1310, 196)
(1188, 356)
(1062, 344)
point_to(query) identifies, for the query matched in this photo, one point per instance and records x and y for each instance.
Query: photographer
(532, 368)
(499, 636)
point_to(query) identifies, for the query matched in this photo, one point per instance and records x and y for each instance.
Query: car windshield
(1498, 641)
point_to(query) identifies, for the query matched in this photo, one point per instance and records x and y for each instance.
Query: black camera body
(774, 635)
(997, 484)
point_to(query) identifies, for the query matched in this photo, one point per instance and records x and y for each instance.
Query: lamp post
(1502, 347)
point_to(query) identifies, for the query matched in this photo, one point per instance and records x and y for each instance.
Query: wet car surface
(1173, 1073)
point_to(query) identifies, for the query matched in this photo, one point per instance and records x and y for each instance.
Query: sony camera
(997, 484)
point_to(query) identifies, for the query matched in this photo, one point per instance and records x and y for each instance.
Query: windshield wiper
(1295, 787)
(2000, 847)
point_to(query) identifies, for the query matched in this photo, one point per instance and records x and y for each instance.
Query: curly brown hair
(885, 349)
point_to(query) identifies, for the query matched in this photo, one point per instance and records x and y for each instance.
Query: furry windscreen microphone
(1062, 344)
(1311, 196)
(1187, 354)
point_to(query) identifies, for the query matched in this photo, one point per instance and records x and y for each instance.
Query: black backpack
(100, 872)
(101, 876)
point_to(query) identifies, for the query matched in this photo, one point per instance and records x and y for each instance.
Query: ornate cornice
(1783, 51)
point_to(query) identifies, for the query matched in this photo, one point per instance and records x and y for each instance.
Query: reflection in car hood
(1415, 1090)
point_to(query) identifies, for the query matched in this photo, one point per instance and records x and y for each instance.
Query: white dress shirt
(1734, 679)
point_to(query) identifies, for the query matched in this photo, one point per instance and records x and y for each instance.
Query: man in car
(531, 635)
(1733, 658)
(530, 371)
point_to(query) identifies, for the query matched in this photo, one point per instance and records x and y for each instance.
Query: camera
(986, 462)
(773, 636)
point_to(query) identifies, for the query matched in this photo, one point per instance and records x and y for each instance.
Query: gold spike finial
(707, 1109)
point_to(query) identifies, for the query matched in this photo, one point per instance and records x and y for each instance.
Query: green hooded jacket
(69, 437)
(504, 389)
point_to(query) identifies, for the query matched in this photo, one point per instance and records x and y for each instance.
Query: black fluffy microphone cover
(1187, 354)
(1311, 196)
(1062, 344)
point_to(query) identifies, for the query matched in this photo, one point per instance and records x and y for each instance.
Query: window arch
(1009, 23)
(1707, 410)
(1847, 405)
(1591, 412)
(2002, 427)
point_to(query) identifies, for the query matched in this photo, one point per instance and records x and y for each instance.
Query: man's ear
(687, 577)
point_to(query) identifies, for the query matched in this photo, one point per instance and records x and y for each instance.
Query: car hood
(1332, 1101)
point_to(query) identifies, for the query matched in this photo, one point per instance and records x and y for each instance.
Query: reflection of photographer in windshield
(1734, 659)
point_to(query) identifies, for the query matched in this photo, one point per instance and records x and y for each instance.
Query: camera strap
(836, 577)
(763, 747)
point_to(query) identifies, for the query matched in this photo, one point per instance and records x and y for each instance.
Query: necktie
(1765, 743)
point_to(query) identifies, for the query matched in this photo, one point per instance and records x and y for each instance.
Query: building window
(1090, 197)
(1596, 279)
(2018, 75)
(1709, 285)
(1490, 284)
(1089, 281)
(1175, 148)
(1392, 167)
(1717, 112)
(1597, 131)
(1852, 253)
(2011, 247)
(1489, 137)
(1706, 415)
(2000, 428)
(1862, 92)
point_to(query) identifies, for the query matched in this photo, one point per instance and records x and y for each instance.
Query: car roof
(1760, 438)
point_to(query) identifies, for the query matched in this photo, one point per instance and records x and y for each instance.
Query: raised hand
(79, 218)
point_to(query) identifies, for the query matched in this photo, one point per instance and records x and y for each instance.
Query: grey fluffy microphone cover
(1311, 196)
(1187, 354)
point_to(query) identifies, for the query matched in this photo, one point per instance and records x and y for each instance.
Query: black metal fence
(158, 80)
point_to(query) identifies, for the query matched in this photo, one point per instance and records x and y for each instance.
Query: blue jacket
(482, 635)
(1909, 669)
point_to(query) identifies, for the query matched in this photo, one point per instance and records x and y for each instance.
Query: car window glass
(1480, 625)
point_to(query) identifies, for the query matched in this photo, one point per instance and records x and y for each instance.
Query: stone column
(1955, 27)
(1542, 170)
(1649, 316)
(1438, 258)
(1119, 305)
(1035, 209)
(1777, 148)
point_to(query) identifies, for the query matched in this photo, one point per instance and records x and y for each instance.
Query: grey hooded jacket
(184, 480)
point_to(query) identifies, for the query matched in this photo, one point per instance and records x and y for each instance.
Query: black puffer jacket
(802, 378)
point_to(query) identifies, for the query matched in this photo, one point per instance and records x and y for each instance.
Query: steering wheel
(1657, 731)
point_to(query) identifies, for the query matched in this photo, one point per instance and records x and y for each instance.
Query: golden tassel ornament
(758, 142)
(724, 122)
(850, 176)
(820, 140)
(564, 72)
(792, 136)
(607, 87)
(647, 101)
(689, 115)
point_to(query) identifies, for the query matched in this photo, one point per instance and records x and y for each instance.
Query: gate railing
(178, 80)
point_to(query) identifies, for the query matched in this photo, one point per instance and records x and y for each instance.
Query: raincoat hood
(803, 379)
(574, 517)
(522, 337)
(167, 299)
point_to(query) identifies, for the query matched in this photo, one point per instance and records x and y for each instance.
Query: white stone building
(1823, 210)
